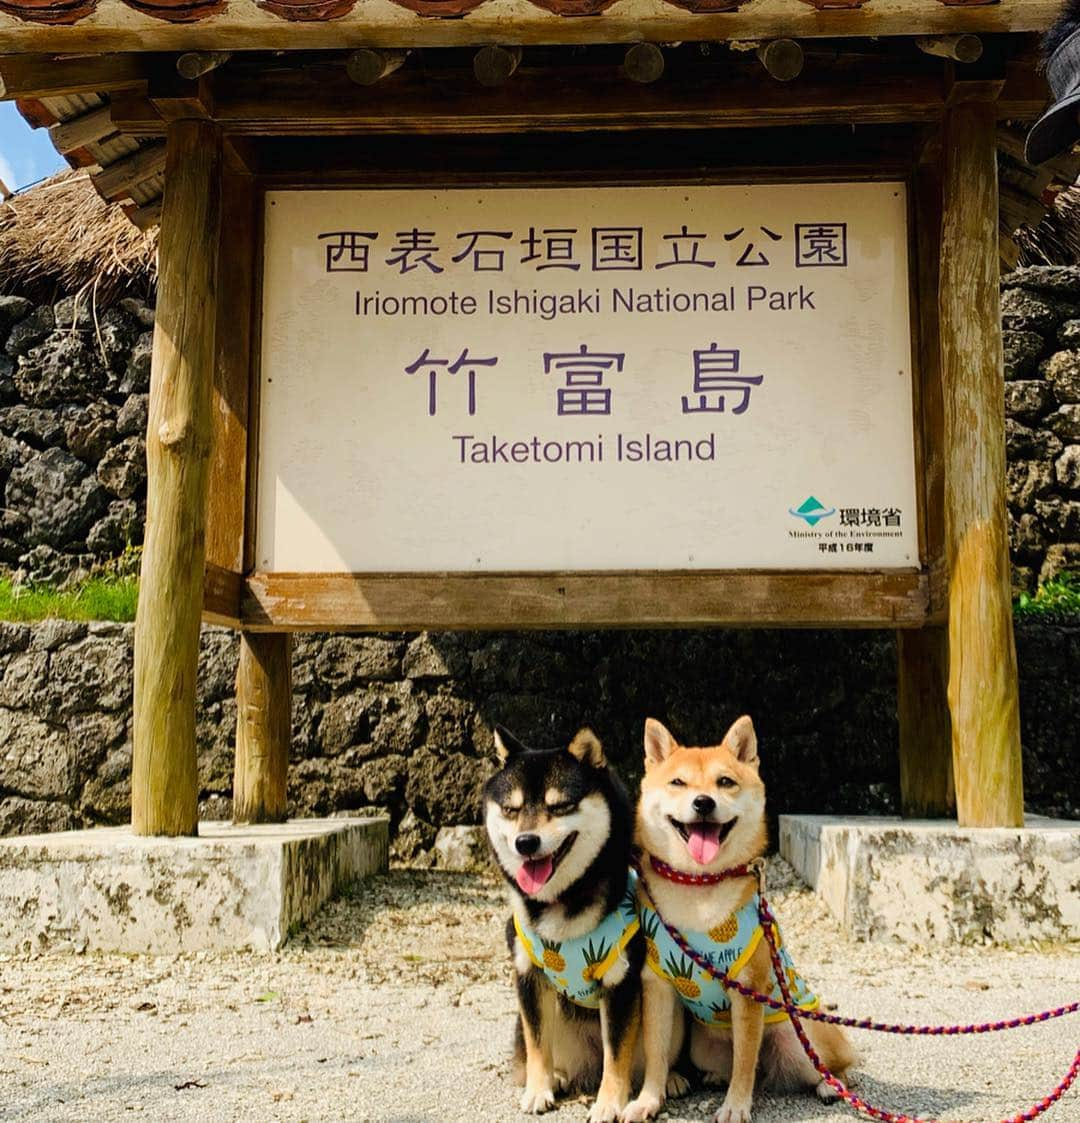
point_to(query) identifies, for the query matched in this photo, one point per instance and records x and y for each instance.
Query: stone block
(1061, 281)
(1029, 397)
(1061, 558)
(1024, 311)
(928, 882)
(232, 887)
(462, 849)
(1023, 349)
(1067, 468)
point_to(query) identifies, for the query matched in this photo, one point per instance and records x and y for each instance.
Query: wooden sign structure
(831, 109)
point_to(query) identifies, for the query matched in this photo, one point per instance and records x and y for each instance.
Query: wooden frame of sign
(237, 593)
(958, 716)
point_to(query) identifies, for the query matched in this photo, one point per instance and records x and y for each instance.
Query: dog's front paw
(677, 1085)
(826, 1093)
(733, 1112)
(644, 1107)
(607, 1109)
(535, 1101)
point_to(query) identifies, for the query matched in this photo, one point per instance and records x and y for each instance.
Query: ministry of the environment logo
(812, 511)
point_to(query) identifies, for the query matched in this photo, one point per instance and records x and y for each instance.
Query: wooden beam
(246, 25)
(30, 76)
(926, 776)
(194, 64)
(328, 104)
(323, 101)
(782, 59)
(959, 48)
(1017, 208)
(263, 728)
(164, 785)
(116, 181)
(494, 65)
(302, 601)
(81, 131)
(643, 63)
(366, 66)
(145, 217)
(982, 654)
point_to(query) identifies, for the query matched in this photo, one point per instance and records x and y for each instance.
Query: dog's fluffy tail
(1067, 22)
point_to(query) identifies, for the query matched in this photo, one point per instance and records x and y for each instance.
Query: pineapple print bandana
(728, 946)
(575, 967)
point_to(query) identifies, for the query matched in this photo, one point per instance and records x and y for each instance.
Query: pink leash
(768, 926)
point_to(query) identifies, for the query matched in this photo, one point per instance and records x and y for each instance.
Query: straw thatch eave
(62, 237)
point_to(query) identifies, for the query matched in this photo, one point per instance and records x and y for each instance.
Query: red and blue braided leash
(768, 926)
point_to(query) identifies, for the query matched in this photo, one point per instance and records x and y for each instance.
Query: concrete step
(231, 887)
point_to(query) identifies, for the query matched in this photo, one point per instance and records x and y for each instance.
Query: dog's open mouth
(535, 873)
(703, 838)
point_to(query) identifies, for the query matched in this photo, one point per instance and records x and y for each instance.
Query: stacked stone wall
(1041, 319)
(402, 723)
(73, 405)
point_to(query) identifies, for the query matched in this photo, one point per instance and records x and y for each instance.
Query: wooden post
(926, 770)
(164, 785)
(982, 654)
(263, 727)
(922, 655)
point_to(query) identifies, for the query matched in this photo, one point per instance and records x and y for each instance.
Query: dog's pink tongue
(703, 842)
(533, 876)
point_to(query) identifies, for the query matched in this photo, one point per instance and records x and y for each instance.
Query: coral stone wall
(401, 723)
(1041, 318)
(73, 404)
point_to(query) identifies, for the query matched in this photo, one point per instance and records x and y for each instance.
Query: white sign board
(594, 378)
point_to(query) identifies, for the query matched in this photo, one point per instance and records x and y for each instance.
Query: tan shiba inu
(702, 812)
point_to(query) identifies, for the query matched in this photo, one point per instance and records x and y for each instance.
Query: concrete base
(930, 881)
(232, 887)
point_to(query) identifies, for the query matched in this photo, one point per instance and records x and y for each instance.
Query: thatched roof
(1056, 239)
(61, 236)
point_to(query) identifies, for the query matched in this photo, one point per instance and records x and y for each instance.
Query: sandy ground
(395, 1005)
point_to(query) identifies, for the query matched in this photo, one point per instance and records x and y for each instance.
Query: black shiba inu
(560, 825)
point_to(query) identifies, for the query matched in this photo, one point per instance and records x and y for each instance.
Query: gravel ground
(395, 1006)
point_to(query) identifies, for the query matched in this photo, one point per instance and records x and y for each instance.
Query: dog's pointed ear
(659, 743)
(587, 748)
(506, 744)
(742, 740)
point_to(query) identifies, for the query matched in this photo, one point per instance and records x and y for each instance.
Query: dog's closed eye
(562, 808)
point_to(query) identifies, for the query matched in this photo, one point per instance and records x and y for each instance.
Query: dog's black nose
(527, 844)
(704, 804)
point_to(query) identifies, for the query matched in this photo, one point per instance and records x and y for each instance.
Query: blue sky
(26, 154)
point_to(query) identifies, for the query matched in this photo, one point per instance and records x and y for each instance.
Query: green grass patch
(98, 598)
(1060, 597)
